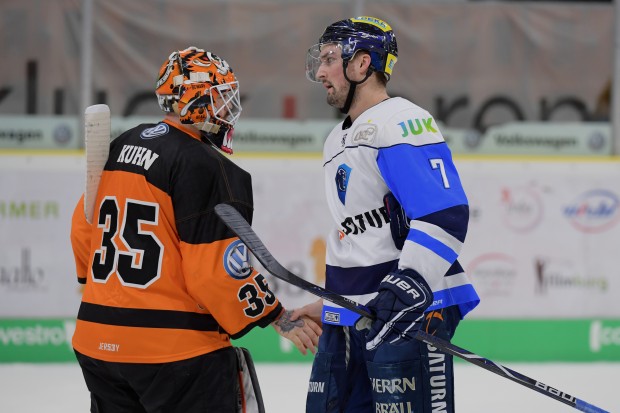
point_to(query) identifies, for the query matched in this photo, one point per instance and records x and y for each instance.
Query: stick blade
(97, 143)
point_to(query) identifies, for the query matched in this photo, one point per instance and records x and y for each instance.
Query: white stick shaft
(97, 142)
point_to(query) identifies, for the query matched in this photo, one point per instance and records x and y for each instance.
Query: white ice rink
(58, 388)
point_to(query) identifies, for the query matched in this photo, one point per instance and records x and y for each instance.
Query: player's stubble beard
(338, 96)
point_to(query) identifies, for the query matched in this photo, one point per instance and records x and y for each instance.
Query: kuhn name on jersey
(137, 155)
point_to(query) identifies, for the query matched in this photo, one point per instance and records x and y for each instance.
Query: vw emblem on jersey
(237, 260)
(154, 132)
(342, 181)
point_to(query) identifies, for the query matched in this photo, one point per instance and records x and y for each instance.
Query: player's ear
(360, 63)
(366, 61)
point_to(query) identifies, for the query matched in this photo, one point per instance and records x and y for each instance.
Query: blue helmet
(362, 33)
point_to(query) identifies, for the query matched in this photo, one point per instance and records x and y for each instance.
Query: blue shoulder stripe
(423, 178)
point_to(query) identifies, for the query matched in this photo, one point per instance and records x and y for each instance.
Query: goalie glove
(399, 308)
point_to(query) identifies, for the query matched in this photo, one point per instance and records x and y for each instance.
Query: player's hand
(399, 308)
(313, 310)
(303, 332)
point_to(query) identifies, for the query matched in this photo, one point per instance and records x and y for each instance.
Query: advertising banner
(49, 340)
(258, 135)
(40, 132)
(542, 235)
(542, 238)
(534, 138)
(37, 198)
(292, 136)
(541, 248)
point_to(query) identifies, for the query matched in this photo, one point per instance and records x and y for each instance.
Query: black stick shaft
(233, 219)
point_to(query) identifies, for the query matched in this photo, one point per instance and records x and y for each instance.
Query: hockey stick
(97, 142)
(507, 373)
(231, 217)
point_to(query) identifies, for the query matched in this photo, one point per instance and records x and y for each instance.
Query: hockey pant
(410, 378)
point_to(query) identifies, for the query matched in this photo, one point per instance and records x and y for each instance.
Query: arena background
(521, 90)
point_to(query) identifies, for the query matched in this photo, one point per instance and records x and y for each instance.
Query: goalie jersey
(394, 147)
(165, 279)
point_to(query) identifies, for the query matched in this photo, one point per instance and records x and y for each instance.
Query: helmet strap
(352, 86)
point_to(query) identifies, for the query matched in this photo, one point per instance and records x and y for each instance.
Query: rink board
(541, 250)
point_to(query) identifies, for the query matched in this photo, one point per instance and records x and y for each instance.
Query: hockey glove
(399, 308)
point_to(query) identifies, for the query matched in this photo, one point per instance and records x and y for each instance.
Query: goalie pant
(209, 381)
(412, 377)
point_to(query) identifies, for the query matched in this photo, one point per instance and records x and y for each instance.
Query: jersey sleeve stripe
(421, 259)
(432, 244)
(453, 220)
(438, 233)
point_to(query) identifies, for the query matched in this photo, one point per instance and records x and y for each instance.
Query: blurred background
(522, 91)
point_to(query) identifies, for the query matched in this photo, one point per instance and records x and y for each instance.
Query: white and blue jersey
(395, 147)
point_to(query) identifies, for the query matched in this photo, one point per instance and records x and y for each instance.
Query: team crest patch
(342, 181)
(237, 260)
(154, 132)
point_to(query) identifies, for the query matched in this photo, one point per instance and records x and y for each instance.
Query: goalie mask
(205, 91)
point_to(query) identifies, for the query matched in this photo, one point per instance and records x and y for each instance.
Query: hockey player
(167, 285)
(400, 216)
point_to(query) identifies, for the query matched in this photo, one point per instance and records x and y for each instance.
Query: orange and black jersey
(165, 279)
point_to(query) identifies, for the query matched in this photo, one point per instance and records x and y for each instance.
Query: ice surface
(58, 388)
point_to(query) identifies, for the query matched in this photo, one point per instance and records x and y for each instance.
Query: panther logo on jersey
(342, 181)
(237, 260)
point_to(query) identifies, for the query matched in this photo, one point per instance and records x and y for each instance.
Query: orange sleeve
(219, 279)
(80, 241)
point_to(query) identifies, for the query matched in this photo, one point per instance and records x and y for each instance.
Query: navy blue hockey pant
(409, 378)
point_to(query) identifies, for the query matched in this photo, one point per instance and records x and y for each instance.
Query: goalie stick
(97, 143)
(233, 219)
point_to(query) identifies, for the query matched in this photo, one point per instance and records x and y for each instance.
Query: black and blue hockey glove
(399, 308)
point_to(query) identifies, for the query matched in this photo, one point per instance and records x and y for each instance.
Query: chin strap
(353, 85)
